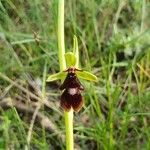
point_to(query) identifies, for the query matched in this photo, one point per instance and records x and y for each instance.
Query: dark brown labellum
(71, 96)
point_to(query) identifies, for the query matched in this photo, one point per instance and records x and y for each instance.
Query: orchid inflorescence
(71, 86)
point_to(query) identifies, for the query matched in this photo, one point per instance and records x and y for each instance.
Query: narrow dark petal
(71, 81)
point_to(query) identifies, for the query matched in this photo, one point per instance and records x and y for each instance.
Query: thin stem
(61, 43)
(69, 129)
(61, 51)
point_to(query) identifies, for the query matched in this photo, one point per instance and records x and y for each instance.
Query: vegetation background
(114, 44)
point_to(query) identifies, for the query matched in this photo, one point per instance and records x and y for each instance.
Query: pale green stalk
(61, 51)
(69, 129)
(61, 42)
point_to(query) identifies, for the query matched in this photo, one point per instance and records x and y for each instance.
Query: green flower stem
(61, 42)
(69, 129)
(61, 52)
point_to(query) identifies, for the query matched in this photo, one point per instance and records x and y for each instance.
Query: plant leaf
(87, 76)
(70, 59)
(56, 76)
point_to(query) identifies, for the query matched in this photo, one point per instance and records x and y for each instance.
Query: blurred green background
(114, 44)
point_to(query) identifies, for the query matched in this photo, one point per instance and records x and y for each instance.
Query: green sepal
(87, 76)
(56, 76)
(76, 50)
(70, 59)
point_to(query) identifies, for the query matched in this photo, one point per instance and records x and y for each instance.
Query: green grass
(113, 39)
